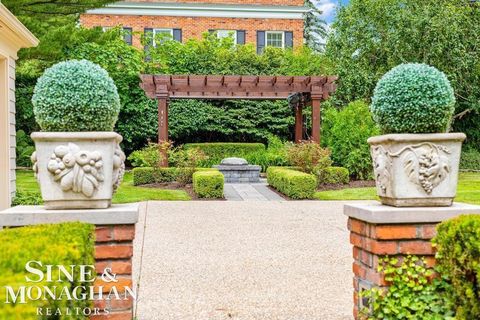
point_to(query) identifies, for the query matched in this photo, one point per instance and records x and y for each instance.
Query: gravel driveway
(243, 260)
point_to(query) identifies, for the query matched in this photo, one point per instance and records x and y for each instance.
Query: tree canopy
(372, 36)
(314, 27)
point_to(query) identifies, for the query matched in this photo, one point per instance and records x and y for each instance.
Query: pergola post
(298, 123)
(316, 119)
(162, 97)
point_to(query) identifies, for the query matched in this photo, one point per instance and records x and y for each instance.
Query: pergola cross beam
(167, 87)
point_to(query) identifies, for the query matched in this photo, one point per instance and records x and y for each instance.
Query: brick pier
(377, 231)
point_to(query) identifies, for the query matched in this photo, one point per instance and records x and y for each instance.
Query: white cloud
(327, 7)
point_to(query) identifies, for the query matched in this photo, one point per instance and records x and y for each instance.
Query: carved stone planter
(78, 170)
(416, 170)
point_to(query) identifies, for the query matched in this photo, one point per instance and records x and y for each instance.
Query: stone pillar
(377, 231)
(114, 235)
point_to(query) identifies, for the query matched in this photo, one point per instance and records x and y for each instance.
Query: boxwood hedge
(294, 184)
(58, 244)
(208, 184)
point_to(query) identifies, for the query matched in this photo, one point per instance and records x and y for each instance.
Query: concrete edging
(377, 213)
(29, 215)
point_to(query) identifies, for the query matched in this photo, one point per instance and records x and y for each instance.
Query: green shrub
(308, 156)
(413, 98)
(470, 159)
(59, 244)
(411, 294)
(458, 259)
(333, 175)
(149, 156)
(208, 184)
(24, 149)
(275, 155)
(345, 133)
(76, 96)
(216, 151)
(292, 183)
(23, 198)
(147, 175)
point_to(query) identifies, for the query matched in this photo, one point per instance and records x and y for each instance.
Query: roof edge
(27, 38)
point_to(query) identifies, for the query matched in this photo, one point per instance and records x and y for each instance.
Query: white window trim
(155, 30)
(229, 31)
(275, 32)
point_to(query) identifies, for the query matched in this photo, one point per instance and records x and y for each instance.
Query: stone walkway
(282, 260)
(250, 192)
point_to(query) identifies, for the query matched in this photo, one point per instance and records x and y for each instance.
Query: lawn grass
(468, 191)
(125, 194)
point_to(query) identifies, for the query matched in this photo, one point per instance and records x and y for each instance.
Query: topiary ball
(413, 98)
(76, 95)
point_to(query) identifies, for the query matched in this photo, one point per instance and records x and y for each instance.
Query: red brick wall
(374, 241)
(194, 27)
(114, 249)
(258, 2)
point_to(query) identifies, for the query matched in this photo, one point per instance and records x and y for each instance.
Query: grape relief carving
(425, 164)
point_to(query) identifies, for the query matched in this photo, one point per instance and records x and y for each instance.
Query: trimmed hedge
(153, 175)
(294, 184)
(458, 259)
(208, 184)
(216, 151)
(470, 159)
(334, 175)
(149, 175)
(58, 244)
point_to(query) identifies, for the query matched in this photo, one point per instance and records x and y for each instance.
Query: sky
(328, 7)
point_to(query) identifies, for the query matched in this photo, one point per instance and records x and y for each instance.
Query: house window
(162, 35)
(227, 33)
(275, 39)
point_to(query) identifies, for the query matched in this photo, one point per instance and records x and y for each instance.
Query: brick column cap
(29, 215)
(376, 213)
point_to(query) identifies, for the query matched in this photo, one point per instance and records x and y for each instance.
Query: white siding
(11, 98)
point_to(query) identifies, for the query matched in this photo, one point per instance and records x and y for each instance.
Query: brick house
(276, 23)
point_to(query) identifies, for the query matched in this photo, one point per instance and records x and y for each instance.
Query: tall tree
(314, 31)
(52, 7)
(372, 36)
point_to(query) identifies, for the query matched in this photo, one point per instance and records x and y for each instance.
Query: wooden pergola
(312, 90)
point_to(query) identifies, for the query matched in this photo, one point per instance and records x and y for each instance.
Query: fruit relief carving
(118, 167)
(76, 170)
(425, 164)
(381, 167)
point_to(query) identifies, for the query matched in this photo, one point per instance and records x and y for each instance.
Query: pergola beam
(167, 87)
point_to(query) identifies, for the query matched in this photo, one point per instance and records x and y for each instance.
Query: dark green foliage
(411, 294)
(373, 36)
(208, 184)
(345, 133)
(146, 175)
(235, 120)
(24, 149)
(334, 175)
(470, 159)
(216, 151)
(58, 244)
(458, 259)
(294, 184)
(27, 199)
(413, 98)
